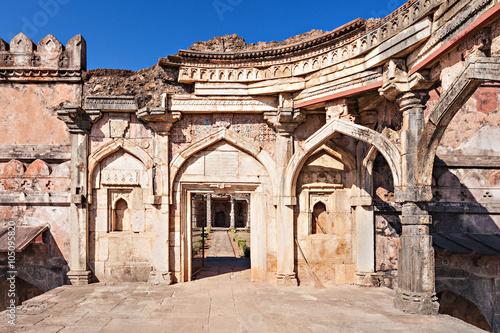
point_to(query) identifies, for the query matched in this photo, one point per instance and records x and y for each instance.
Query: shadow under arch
(233, 138)
(112, 147)
(390, 151)
(455, 305)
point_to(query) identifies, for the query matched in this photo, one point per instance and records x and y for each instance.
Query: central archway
(227, 168)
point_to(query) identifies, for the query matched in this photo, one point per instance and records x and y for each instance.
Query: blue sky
(132, 34)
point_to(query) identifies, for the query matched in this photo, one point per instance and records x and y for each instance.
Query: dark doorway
(220, 220)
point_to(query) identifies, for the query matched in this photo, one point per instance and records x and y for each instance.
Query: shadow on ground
(222, 265)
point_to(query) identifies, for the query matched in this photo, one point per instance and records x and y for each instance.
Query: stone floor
(221, 299)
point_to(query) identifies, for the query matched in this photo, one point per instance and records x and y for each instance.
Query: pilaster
(79, 125)
(161, 122)
(285, 120)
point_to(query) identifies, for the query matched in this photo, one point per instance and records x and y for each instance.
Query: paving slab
(215, 303)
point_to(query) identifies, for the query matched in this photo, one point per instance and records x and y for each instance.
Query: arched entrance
(232, 177)
(334, 167)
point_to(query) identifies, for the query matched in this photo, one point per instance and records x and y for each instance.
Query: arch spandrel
(233, 138)
(390, 152)
(112, 147)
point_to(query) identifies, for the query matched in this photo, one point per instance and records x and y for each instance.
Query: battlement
(49, 60)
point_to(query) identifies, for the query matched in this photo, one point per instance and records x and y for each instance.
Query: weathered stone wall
(147, 85)
(35, 149)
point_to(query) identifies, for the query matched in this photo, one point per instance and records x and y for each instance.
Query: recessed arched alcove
(319, 219)
(121, 218)
(120, 231)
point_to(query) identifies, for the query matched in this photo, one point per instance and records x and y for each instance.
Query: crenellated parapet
(49, 60)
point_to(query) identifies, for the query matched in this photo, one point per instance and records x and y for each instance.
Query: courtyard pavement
(221, 299)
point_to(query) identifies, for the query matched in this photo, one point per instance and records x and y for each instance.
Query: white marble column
(209, 211)
(232, 214)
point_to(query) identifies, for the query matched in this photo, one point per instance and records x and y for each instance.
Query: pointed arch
(233, 138)
(112, 147)
(390, 152)
(450, 102)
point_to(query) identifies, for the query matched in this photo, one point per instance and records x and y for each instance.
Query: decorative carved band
(111, 103)
(37, 74)
(188, 103)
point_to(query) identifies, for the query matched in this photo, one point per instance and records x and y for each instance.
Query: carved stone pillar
(209, 211)
(361, 201)
(79, 125)
(232, 215)
(247, 224)
(416, 283)
(285, 120)
(161, 122)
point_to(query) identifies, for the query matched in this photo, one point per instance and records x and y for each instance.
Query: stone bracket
(158, 118)
(397, 81)
(285, 120)
(75, 118)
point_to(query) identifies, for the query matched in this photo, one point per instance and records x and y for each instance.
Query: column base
(367, 279)
(286, 280)
(416, 303)
(79, 278)
(160, 278)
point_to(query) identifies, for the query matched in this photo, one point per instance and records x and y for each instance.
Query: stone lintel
(111, 103)
(221, 104)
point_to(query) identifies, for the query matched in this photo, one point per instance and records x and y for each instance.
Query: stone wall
(35, 149)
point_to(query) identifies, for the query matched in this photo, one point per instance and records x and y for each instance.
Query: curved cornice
(357, 36)
(280, 50)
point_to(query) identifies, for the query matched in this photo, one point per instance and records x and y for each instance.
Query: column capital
(397, 81)
(158, 118)
(410, 100)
